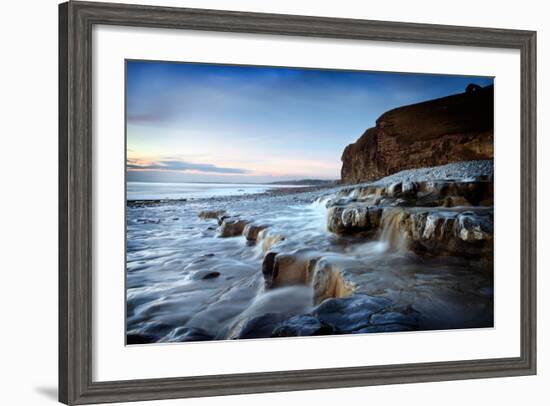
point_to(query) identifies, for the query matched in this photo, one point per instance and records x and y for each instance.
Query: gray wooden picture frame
(76, 20)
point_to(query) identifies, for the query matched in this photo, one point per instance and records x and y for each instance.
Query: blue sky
(223, 123)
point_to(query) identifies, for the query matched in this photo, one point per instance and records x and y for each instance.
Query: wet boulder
(251, 231)
(267, 240)
(268, 265)
(260, 326)
(405, 316)
(301, 325)
(355, 314)
(232, 227)
(454, 201)
(447, 232)
(375, 216)
(353, 218)
(288, 269)
(438, 226)
(340, 201)
(326, 275)
(329, 280)
(345, 315)
(471, 227)
(222, 218)
(409, 188)
(394, 189)
(334, 219)
(435, 193)
(393, 319)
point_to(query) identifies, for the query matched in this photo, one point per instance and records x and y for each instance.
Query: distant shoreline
(275, 192)
(457, 170)
(300, 182)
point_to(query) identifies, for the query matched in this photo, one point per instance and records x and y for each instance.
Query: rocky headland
(435, 132)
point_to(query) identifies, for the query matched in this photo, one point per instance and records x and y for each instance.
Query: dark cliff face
(436, 132)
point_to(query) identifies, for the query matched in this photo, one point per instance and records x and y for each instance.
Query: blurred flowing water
(181, 275)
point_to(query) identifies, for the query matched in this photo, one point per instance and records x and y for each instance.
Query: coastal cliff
(436, 132)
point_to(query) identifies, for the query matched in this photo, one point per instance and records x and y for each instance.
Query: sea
(177, 191)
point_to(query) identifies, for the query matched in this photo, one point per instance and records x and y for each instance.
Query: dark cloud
(182, 166)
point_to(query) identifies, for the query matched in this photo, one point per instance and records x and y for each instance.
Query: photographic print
(268, 202)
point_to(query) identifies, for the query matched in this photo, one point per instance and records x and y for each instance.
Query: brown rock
(353, 218)
(436, 132)
(251, 231)
(328, 281)
(232, 227)
(325, 275)
(287, 269)
(267, 240)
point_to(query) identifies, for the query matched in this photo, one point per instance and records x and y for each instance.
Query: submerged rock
(206, 275)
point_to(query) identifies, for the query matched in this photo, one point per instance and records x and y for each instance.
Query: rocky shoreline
(443, 214)
(447, 213)
(299, 194)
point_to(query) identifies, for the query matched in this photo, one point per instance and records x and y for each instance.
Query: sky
(189, 122)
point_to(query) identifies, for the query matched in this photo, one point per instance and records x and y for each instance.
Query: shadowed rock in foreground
(450, 129)
(355, 314)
